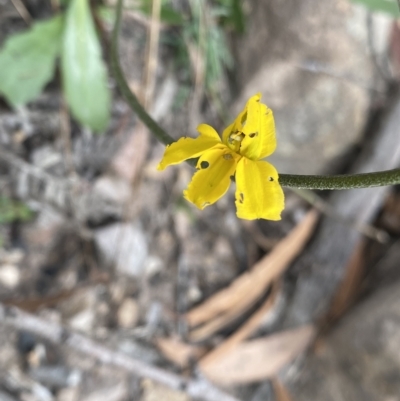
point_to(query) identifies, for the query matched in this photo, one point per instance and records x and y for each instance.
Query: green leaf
(387, 6)
(27, 61)
(83, 70)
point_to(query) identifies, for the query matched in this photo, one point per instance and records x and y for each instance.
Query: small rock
(125, 245)
(153, 266)
(83, 321)
(128, 313)
(114, 189)
(194, 294)
(9, 276)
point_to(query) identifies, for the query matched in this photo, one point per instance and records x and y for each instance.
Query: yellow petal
(258, 193)
(259, 130)
(213, 179)
(188, 148)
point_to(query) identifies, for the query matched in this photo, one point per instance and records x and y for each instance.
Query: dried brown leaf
(179, 352)
(250, 286)
(259, 359)
(245, 331)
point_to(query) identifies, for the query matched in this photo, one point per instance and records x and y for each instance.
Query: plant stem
(367, 180)
(320, 182)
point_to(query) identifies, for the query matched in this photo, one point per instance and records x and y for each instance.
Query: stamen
(236, 137)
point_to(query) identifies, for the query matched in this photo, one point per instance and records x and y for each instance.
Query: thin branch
(320, 182)
(152, 54)
(22, 11)
(196, 388)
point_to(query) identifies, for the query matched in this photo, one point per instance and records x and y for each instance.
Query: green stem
(381, 178)
(367, 180)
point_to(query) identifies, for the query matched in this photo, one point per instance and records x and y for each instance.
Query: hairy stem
(321, 182)
(367, 180)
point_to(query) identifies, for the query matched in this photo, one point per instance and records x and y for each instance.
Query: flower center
(234, 140)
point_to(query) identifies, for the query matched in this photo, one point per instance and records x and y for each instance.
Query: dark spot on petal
(204, 164)
(270, 178)
(228, 156)
(253, 134)
(241, 197)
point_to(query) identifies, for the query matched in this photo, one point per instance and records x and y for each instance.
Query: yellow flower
(248, 139)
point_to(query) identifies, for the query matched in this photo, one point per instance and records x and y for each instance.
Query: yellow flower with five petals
(250, 138)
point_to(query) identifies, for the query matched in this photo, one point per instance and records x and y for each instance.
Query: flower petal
(188, 148)
(213, 179)
(258, 193)
(259, 130)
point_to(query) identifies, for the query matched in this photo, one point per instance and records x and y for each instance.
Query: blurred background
(113, 287)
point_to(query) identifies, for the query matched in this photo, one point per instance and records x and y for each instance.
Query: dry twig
(22, 11)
